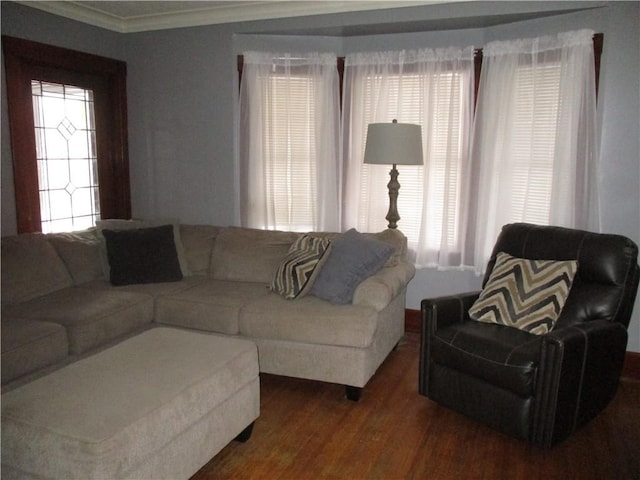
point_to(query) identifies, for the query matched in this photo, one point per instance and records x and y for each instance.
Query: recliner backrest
(607, 279)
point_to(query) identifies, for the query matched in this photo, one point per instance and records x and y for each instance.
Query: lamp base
(393, 186)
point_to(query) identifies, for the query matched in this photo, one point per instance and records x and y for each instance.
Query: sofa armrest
(378, 290)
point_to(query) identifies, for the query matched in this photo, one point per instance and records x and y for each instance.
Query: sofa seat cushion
(308, 320)
(121, 408)
(91, 317)
(153, 289)
(504, 356)
(212, 305)
(29, 345)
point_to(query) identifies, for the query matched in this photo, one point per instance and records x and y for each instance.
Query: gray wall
(182, 89)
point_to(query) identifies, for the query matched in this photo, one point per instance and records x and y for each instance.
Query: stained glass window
(66, 155)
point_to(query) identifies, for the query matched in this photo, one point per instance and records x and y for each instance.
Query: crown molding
(79, 13)
(213, 14)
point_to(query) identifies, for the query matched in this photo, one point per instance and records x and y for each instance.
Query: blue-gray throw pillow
(142, 255)
(353, 258)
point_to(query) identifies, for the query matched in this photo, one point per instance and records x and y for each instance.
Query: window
(452, 207)
(55, 179)
(444, 161)
(65, 152)
(534, 139)
(289, 142)
(430, 88)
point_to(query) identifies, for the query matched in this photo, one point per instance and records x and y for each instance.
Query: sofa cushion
(353, 258)
(91, 317)
(142, 255)
(525, 294)
(152, 289)
(31, 267)
(249, 255)
(297, 272)
(198, 241)
(212, 305)
(309, 320)
(29, 345)
(80, 252)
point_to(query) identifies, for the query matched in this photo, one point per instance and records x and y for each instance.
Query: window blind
(533, 141)
(409, 96)
(290, 154)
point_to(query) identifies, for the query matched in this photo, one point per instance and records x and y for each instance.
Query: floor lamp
(397, 144)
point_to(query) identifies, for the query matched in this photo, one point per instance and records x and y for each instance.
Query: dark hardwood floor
(308, 430)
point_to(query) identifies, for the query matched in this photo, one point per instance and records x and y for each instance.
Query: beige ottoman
(158, 405)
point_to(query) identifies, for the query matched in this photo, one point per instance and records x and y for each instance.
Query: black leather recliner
(538, 388)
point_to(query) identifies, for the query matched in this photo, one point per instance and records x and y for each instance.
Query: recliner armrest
(579, 373)
(438, 313)
(442, 311)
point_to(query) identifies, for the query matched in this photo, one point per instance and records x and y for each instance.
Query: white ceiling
(137, 16)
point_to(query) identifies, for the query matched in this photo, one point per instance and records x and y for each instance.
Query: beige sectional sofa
(58, 306)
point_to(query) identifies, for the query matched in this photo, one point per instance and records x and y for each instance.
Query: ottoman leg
(353, 393)
(245, 435)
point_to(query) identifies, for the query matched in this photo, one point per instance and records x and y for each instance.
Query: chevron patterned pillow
(296, 273)
(525, 294)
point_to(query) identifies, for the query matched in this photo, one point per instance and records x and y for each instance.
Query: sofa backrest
(35, 264)
(249, 255)
(198, 241)
(31, 267)
(81, 253)
(391, 236)
(253, 255)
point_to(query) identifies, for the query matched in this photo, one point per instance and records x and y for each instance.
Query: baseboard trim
(412, 321)
(631, 369)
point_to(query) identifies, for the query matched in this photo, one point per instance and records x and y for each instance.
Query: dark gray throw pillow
(142, 255)
(353, 258)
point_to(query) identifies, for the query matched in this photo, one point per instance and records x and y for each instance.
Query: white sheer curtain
(432, 88)
(289, 141)
(534, 143)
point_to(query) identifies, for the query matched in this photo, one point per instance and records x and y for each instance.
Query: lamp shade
(393, 143)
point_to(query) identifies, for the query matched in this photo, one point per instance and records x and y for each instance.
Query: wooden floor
(308, 430)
